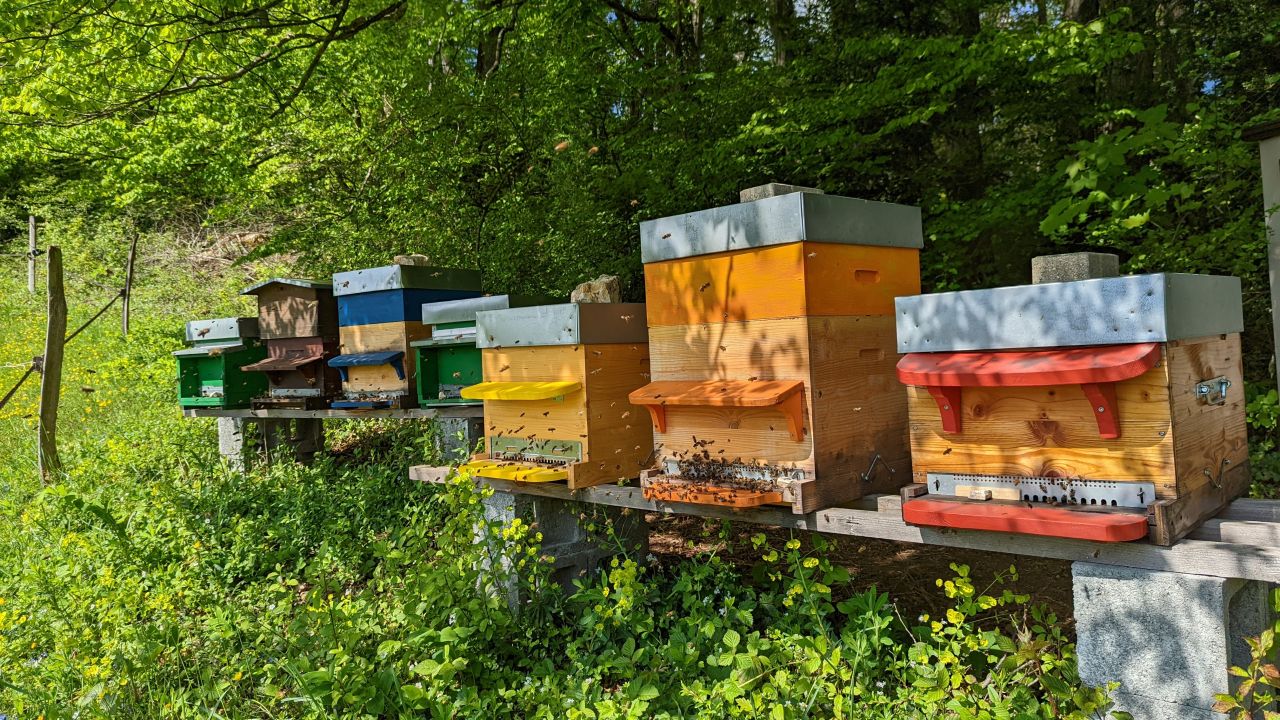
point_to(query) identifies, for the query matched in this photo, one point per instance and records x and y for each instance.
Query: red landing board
(1018, 518)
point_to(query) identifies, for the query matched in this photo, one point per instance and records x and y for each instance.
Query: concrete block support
(1167, 638)
(456, 438)
(301, 438)
(577, 552)
(231, 442)
(1073, 266)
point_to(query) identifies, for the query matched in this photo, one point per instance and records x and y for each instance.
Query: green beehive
(449, 360)
(209, 373)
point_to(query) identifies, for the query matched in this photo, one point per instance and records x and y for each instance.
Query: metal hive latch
(1213, 391)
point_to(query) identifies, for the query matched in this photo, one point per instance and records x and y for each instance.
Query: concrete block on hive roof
(779, 220)
(1067, 267)
(773, 189)
(604, 289)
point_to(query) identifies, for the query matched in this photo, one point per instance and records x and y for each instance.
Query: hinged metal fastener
(1213, 391)
(1222, 471)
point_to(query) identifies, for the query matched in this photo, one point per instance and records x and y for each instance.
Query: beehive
(556, 379)
(209, 373)
(379, 313)
(771, 341)
(449, 360)
(298, 319)
(1086, 409)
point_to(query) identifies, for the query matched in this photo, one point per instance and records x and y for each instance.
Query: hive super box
(1086, 409)
(556, 379)
(772, 347)
(449, 360)
(379, 313)
(298, 320)
(209, 373)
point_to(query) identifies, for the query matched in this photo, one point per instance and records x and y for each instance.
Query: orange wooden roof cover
(1095, 369)
(786, 395)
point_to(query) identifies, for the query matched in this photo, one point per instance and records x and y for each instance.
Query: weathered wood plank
(1204, 435)
(51, 369)
(1215, 558)
(467, 411)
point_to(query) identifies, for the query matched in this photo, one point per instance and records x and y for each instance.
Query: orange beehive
(772, 350)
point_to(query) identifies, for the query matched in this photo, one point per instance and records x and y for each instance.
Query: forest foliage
(528, 139)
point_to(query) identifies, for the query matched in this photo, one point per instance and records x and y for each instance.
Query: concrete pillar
(768, 190)
(576, 551)
(1167, 638)
(308, 439)
(456, 438)
(231, 442)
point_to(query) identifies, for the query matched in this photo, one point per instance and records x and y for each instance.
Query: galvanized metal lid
(201, 331)
(404, 277)
(296, 282)
(464, 310)
(794, 217)
(215, 348)
(566, 324)
(1129, 309)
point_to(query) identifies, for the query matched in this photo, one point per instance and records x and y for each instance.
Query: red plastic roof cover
(1034, 520)
(1007, 368)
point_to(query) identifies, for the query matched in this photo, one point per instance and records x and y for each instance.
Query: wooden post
(31, 254)
(1267, 136)
(128, 284)
(51, 369)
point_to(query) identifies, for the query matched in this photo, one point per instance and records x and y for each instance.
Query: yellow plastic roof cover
(520, 390)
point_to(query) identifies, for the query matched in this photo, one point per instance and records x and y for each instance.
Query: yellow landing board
(517, 472)
(494, 390)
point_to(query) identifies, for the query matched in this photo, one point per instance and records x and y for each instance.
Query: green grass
(151, 581)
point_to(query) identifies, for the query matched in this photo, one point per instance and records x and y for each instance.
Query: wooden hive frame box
(772, 350)
(378, 317)
(450, 360)
(556, 379)
(1089, 409)
(298, 320)
(209, 373)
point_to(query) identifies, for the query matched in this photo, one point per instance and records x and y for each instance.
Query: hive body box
(1122, 392)
(209, 373)
(298, 319)
(379, 313)
(556, 379)
(772, 347)
(449, 360)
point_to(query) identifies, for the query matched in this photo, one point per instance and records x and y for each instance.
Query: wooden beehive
(379, 313)
(450, 360)
(1089, 409)
(772, 348)
(209, 373)
(556, 379)
(298, 319)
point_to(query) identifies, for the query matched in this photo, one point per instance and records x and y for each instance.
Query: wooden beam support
(51, 369)
(880, 517)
